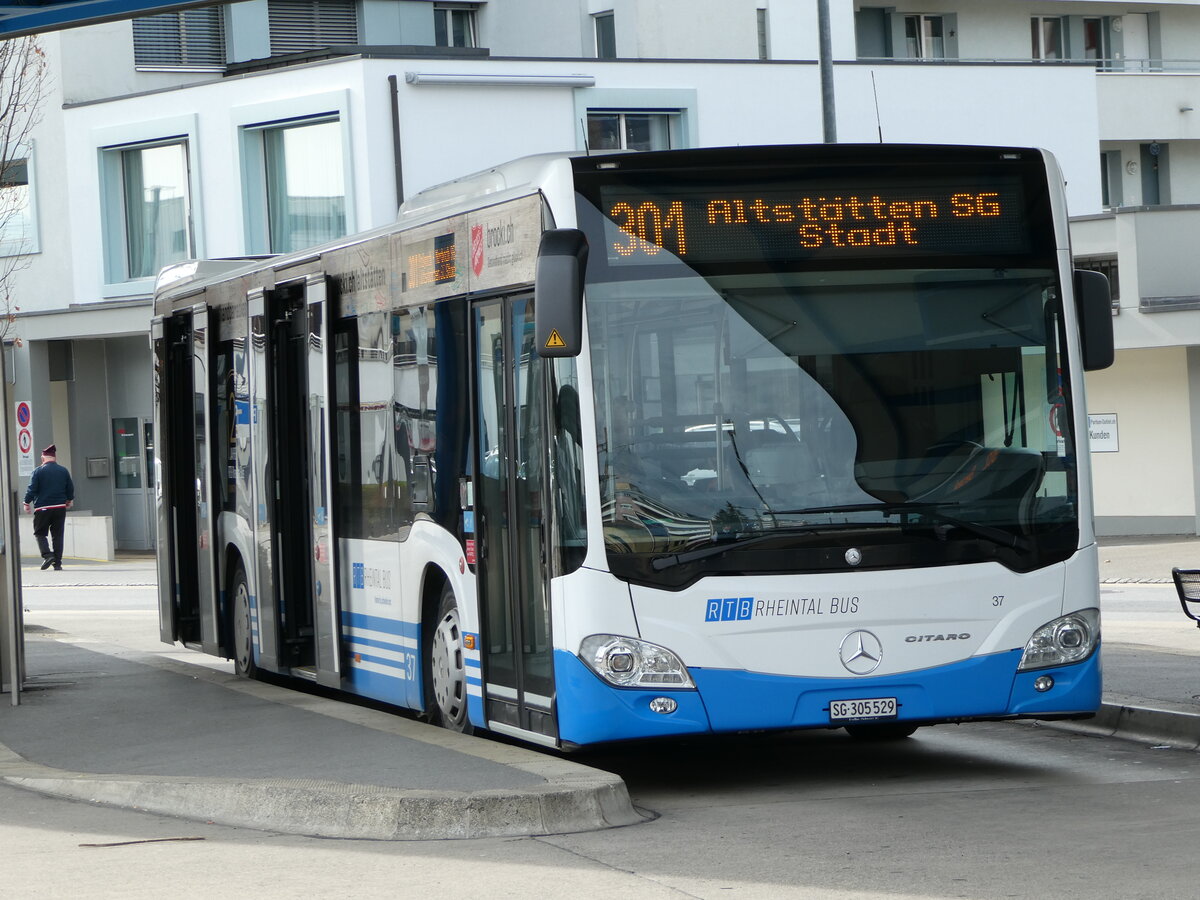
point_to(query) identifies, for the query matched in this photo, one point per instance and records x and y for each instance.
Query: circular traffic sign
(23, 414)
(1055, 411)
(24, 441)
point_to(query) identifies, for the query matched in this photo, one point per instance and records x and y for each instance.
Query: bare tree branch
(24, 82)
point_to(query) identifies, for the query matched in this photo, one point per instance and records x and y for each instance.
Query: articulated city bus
(589, 448)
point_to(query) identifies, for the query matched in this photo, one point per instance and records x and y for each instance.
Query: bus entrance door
(291, 458)
(511, 511)
(187, 599)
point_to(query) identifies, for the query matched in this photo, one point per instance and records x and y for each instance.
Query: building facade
(270, 125)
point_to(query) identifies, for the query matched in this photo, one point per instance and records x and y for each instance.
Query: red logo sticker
(477, 249)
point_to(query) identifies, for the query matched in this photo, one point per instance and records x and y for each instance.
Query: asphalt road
(978, 811)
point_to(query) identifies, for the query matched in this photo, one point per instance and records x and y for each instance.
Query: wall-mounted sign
(1102, 432)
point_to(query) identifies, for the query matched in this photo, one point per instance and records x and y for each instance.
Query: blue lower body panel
(727, 700)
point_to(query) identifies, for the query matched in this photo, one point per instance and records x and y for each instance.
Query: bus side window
(414, 407)
(568, 466)
(368, 481)
(224, 431)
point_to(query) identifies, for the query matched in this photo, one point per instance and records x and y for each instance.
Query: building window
(873, 32)
(1106, 266)
(188, 39)
(1110, 178)
(1095, 41)
(616, 130)
(1156, 185)
(454, 25)
(148, 203)
(303, 184)
(606, 36)
(60, 361)
(764, 45)
(300, 25)
(925, 37)
(18, 229)
(1046, 33)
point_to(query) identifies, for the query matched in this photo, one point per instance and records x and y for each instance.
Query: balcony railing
(1117, 66)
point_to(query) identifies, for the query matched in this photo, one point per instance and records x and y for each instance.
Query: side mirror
(558, 292)
(1093, 305)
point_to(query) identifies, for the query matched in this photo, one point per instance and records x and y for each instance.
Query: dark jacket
(50, 486)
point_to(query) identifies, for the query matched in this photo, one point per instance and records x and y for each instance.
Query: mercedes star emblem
(861, 652)
(853, 556)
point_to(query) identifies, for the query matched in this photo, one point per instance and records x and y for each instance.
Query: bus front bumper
(985, 687)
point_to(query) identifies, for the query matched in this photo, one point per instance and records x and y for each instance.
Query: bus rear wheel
(242, 636)
(446, 672)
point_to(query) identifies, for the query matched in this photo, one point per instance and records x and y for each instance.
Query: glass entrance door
(511, 511)
(132, 445)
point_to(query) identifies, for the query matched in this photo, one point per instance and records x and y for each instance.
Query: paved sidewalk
(191, 739)
(1146, 560)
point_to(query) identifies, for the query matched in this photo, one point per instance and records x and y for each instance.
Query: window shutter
(190, 38)
(299, 25)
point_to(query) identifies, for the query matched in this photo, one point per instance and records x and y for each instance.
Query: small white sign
(25, 464)
(1102, 432)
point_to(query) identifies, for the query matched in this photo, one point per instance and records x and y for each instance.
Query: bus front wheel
(243, 649)
(446, 672)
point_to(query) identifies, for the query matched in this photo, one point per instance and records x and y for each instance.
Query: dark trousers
(50, 521)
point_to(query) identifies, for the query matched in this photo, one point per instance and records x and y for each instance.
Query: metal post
(397, 155)
(828, 111)
(11, 618)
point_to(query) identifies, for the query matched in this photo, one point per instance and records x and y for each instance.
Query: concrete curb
(1144, 724)
(334, 810)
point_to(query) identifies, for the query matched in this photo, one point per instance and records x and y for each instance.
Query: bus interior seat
(997, 476)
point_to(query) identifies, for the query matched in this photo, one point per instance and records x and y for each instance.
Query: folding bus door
(167, 552)
(261, 569)
(511, 509)
(189, 612)
(294, 455)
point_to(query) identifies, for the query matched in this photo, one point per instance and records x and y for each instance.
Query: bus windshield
(755, 418)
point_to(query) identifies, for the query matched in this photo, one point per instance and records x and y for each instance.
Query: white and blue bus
(588, 448)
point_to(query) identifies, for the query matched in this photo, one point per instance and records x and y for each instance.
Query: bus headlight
(628, 662)
(1068, 639)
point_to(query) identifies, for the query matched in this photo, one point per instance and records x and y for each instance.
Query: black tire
(889, 731)
(445, 668)
(240, 633)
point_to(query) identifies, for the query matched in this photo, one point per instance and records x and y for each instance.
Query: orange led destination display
(781, 224)
(432, 261)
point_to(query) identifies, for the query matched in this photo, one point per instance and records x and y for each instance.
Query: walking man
(51, 493)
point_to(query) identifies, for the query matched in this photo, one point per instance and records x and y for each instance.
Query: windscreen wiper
(933, 510)
(662, 563)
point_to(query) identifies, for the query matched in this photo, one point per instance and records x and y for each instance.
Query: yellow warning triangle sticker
(555, 339)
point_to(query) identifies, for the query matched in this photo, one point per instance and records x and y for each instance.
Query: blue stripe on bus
(729, 700)
(373, 642)
(472, 663)
(379, 623)
(380, 661)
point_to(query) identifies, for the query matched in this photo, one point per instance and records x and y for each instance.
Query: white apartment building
(269, 125)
